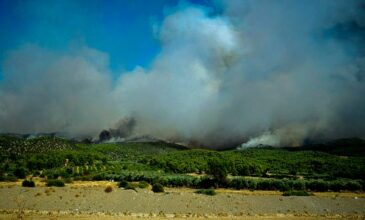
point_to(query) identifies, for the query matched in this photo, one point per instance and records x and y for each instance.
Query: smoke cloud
(279, 72)
(44, 91)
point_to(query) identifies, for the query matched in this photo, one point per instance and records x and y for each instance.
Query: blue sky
(122, 29)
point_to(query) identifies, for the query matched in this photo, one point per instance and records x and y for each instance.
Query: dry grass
(340, 194)
(103, 184)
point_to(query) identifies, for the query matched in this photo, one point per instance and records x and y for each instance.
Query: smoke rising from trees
(287, 70)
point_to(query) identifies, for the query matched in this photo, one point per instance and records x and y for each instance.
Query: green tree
(218, 168)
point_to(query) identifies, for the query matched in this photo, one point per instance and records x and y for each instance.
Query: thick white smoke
(289, 70)
(44, 91)
(266, 139)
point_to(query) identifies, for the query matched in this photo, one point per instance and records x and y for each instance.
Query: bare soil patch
(88, 200)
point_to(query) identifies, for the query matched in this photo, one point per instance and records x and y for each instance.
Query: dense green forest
(334, 166)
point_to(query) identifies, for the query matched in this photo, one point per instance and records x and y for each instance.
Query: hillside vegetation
(173, 165)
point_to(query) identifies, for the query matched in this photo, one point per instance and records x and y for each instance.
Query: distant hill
(41, 143)
(17, 144)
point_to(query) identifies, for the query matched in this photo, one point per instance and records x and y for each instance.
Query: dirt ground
(87, 200)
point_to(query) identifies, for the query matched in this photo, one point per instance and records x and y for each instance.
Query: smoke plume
(285, 71)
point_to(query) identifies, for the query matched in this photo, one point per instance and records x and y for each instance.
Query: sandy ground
(87, 200)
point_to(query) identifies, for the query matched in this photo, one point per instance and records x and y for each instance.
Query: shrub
(9, 178)
(281, 185)
(127, 185)
(68, 180)
(296, 193)
(353, 186)
(108, 189)
(52, 175)
(206, 182)
(317, 185)
(123, 183)
(86, 178)
(243, 183)
(297, 184)
(143, 184)
(98, 177)
(28, 183)
(157, 188)
(131, 186)
(239, 183)
(56, 182)
(209, 192)
(252, 184)
(176, 180)
(337, 185)
(265, 184)
(20, 172)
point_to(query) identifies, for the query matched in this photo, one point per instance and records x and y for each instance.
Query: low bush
(239, 183)
(131, 186)
(296, 193)
(108, 189)
(157, 188)
(353, 186)
(297, 184)
(127, 185)
(28, 183)
(8, 178)
(51, 174)
(86, 178)
(175, 180)
(281, 185)
(206, 182)
(56, 182)
(243, 183)
(143, 184)
(123, 183)
(317, 185)
(265, 184)
(68, 180)
(209, 192)
(99, 177)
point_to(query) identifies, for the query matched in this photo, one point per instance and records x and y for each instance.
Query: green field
(334, 166)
